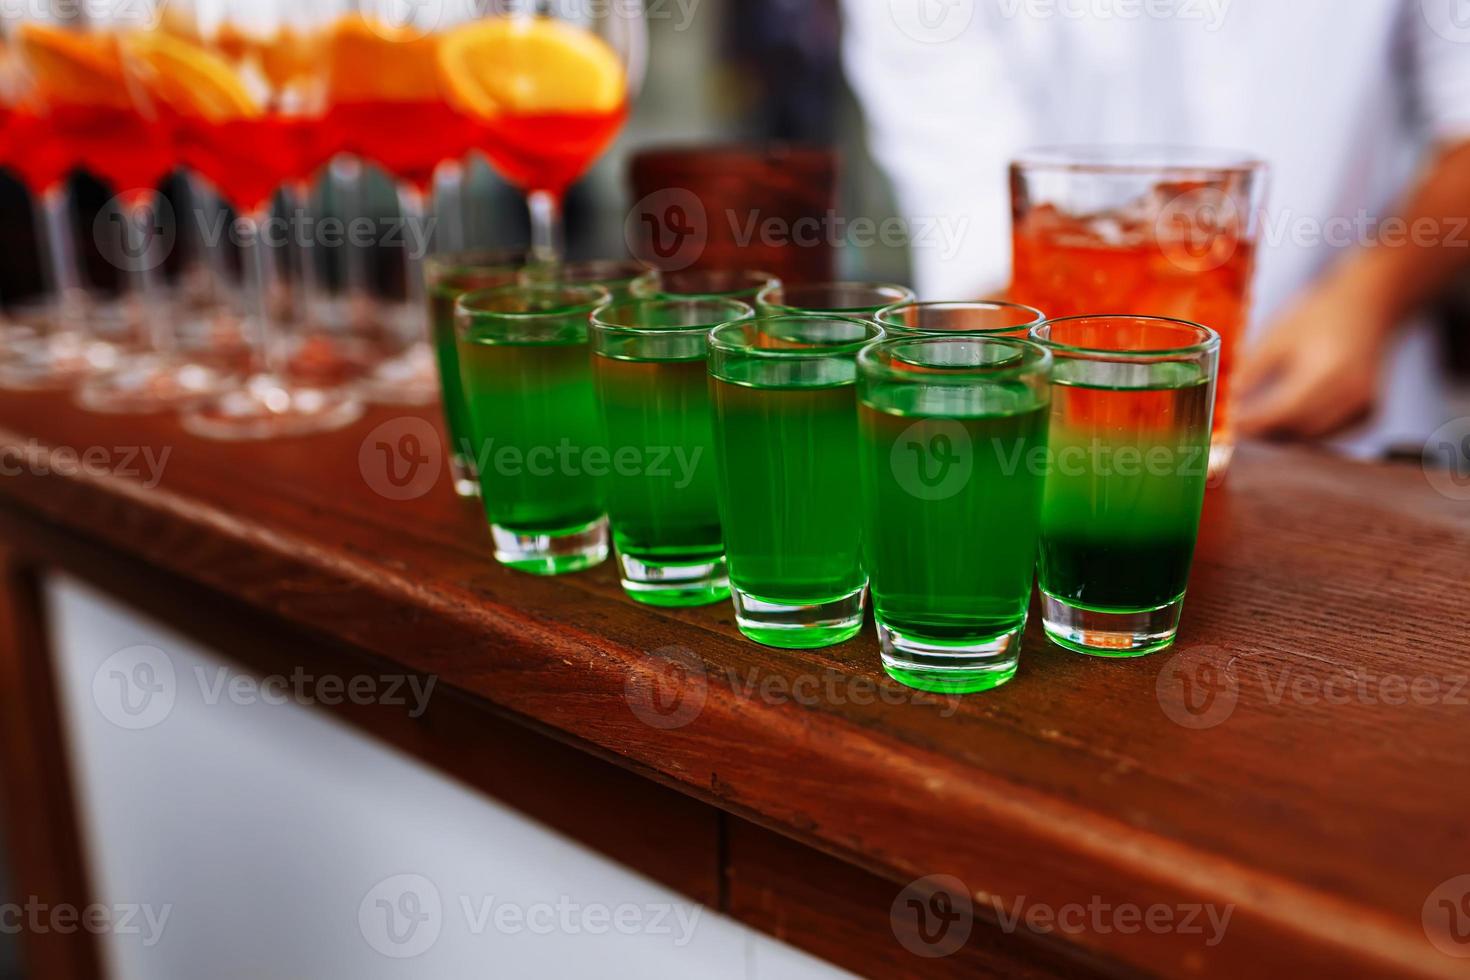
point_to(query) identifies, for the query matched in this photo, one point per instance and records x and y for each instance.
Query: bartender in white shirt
(1361, 109)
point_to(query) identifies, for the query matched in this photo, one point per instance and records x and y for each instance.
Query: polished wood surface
(1299, 761)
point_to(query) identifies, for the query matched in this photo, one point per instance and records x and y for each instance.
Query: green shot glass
(953, 433)
(1132, 400)
(741, 284)
(620, 277)
(525, 366)
(859, 299)
(785, 414)
(653, 393)
(991, 319)
(446, 277)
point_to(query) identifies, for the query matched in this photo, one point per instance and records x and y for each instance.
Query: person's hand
(1318, 370)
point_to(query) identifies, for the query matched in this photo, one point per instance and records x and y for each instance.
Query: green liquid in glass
(1122, 501)
(660, 488)
(953, 479)
(789, 492)
(441, 326)
(533, 418)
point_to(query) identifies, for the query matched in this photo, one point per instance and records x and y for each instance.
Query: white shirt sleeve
(1439, 38)
(943, 121)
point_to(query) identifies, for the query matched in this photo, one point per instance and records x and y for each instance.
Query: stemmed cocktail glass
(261, 64)
(546, 93)
(50, 347)
(112, 125)
(386, 106)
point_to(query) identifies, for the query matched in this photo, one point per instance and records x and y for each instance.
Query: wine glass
(255, 78)
(387, 107)
(547, 86)
(52, 346)
(116, 134)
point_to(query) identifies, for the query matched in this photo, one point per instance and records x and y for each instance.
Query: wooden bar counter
(1285, 794)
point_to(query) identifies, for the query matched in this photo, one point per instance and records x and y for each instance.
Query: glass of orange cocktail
(243, 84)
(1141, 231)
(50, 345)
(387, 107)
(545, 93)
(108, 124)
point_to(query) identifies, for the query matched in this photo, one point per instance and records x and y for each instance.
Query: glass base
(466, 480)
(55, 361)
(664, 583)
(950, 666)
(410, 378)
(1110, 632)
(151, 383)
(799, 626)
(551, 552)
(328, 361)
(216, 337)
(1222, 450)
(14, 335)
(115, 321)
(268, 408)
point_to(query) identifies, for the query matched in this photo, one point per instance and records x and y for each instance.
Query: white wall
(270, 841)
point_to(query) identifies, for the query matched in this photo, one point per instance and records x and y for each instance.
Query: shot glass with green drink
(860, 299)
(620, 277)
(953, 433)
(653, 394)
(741, 284)
(1132, 400)
(525, 366)
(785, 425)
(980, 317)
(446, 277)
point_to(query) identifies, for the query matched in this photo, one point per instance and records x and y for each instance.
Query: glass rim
(743, 311)
(835, 284)
(1209, 340)
(626, 270)
(1034, 358)
(718, 335)
(1036, 319)
(1138, 159)
(750, 275)
(476, 260)
(466, 304)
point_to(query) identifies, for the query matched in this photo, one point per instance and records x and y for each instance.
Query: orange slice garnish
(524, 66)
(72, 68)
(188, 78)
(372, 61)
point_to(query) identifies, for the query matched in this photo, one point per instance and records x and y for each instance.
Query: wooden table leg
(48, 867)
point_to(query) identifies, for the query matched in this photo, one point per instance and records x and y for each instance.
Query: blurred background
(765, 76)
(719, 72)
(759, 77)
